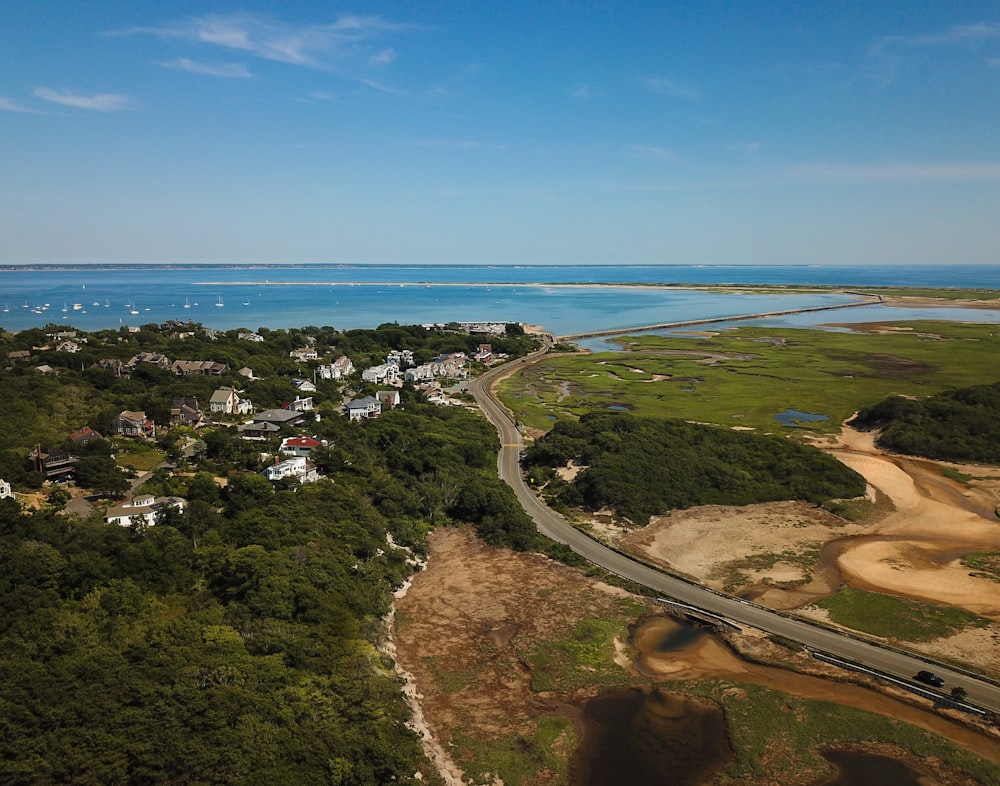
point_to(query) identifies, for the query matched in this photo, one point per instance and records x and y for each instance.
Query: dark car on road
(929, 678)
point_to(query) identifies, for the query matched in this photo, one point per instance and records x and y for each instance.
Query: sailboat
(187, 303)
(220, 304)
(246, 301)
(6, 308)
(131, 308)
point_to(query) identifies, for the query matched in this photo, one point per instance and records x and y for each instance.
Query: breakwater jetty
(709, 321)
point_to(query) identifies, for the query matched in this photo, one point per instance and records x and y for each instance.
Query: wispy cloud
(7, 105)
(672, 88)
(651, 151)
(448, 144)
(897, 173)
(890, 56)
(100, 102)
(584, 91)
(383, 57)
(309, 45)
(227, 70)
(743, 147)
(953, 36)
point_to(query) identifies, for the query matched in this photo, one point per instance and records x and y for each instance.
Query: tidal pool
(649, 737)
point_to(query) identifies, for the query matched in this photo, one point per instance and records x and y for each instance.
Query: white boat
(187, 303)
(65, 307)
(220, 304)
(78, 306)
(131, 308)
(246, 301)
(6, 308)
(107, 303)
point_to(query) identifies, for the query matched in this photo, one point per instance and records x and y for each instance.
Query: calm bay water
(364, 296)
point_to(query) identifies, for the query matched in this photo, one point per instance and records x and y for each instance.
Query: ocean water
(364, 296)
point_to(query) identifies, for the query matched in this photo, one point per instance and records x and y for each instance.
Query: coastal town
(320, 382)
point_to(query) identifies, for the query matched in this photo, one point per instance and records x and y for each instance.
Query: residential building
(5, 491)
(485, 353)
(257, 338)
(55, 465)
(303, 386)
(388, 398)
(67, 346)
(153, 358)
(300, 404)
(383, 374)
(279, 417)
(341, 368)
(224, 400)
(84, 435)
(297, 467)
(304, 353)
(401, 358)
(364, 408)
(134, 424)
(185, 411)
(247, 372)
(299, 446)
(114, 364)
(258, 431)
(19, 354)
(207, 367)
(145, 510)
(45, 369)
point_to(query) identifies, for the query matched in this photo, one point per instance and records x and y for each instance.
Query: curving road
(826, 640)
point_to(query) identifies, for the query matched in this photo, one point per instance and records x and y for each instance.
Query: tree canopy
(957, 425)
(642, 467)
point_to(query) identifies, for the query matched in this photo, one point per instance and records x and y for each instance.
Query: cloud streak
(672, 88)
(7, 105)
(983, 172)
(226, 70)
(307, 45)
(651, 151)
(99, 102)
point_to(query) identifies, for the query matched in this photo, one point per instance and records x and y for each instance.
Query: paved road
(827, 640)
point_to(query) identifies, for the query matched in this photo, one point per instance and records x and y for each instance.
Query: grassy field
(744, 376)
(775, 736)
(892, 617)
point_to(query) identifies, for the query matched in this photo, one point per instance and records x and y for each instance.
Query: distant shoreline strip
(708, 321)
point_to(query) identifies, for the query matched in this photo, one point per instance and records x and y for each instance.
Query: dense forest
(957, 425)
(641, 467)
(236, 641)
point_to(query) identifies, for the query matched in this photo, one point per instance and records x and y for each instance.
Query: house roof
(362, 403)
(277, 416)
(301, 442)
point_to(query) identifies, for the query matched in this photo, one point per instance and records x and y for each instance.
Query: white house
(340, 368)
(299, 446)
(304, 353)
(363, 408)
(303, 386)
(300, 404)
(296, 467)
(5, 491)
(143, 510)
(228, 402)
(383, 374)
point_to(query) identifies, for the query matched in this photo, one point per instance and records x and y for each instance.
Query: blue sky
(500, 132)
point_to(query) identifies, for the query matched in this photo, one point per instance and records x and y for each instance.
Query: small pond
(793, 418)
(866, 769)
(649, 737)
